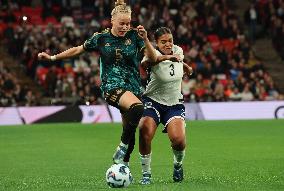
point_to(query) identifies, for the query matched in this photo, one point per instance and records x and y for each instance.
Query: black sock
(127, 134)
(130, 148)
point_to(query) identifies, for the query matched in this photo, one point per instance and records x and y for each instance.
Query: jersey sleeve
(145, 58)
(91, 44)
(179, 51)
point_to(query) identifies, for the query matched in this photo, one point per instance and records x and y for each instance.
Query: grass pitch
(221, 155)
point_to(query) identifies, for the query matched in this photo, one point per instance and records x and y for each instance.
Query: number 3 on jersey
(172, 72)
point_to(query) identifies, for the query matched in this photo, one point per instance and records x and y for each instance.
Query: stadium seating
(215, 54)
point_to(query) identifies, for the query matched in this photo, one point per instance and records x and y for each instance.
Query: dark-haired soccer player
(163, 103)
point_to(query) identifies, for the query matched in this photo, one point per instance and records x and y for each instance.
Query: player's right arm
(69, 53)
(174, 58)
(146, 63)
(89, 45)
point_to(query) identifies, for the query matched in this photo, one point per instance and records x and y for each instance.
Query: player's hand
(142, 32)
(175, 58)
(187, 69)
(43, 56)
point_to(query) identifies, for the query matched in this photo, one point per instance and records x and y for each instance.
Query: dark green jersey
(119, 59)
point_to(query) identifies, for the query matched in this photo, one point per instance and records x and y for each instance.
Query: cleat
(119, 154)
(146, 178)
(178, 173)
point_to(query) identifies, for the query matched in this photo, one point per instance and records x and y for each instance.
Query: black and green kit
(119, 60)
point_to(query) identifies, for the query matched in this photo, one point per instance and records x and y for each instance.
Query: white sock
(146, 163)
(178, 156)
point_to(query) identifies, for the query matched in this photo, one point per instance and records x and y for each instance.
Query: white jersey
(164, 86)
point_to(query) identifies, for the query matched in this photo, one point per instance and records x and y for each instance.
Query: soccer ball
(118, 176)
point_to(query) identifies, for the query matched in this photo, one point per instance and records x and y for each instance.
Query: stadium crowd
(270, 15)
(225, 68)
(11, 92)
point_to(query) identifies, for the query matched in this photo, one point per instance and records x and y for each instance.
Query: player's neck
(113, 32)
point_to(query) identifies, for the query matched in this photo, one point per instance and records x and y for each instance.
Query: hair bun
(120, 7)
(119, 2)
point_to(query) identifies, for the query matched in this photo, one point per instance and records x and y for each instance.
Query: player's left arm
(173, 58)
(147, 63)
(177, 56)
(187, 69)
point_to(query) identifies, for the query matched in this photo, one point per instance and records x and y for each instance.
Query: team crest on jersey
(127, 42)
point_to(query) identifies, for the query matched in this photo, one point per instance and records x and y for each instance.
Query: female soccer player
(120, 51)
(163, 103)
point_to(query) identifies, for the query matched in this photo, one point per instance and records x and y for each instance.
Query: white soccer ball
(118, 176)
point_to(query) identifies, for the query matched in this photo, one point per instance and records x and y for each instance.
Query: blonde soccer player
(121, 49)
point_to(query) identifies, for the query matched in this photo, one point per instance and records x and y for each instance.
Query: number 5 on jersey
(118, 54)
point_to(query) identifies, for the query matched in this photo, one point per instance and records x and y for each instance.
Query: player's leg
(176, 133)
(147, 129)
(174, 122)
(132, 109)
(131, 143)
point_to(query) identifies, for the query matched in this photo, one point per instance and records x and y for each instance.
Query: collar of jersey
(117, 36)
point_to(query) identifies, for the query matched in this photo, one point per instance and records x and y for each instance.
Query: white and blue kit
(162, 99)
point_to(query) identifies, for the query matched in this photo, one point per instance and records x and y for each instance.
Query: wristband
(53, 58)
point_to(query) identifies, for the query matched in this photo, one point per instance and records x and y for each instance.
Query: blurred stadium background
(236, 48)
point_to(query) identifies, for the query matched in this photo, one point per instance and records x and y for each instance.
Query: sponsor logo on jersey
(107, 44)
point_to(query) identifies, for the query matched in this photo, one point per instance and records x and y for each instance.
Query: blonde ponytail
(120, 7)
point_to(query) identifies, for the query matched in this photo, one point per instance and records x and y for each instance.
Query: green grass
(221, 155)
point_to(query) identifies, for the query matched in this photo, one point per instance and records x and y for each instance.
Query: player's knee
(179, 146)
(145, 136)
(178, 142)
(135, 113)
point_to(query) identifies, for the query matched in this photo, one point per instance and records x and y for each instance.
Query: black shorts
(162, 113)
(112, 97)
